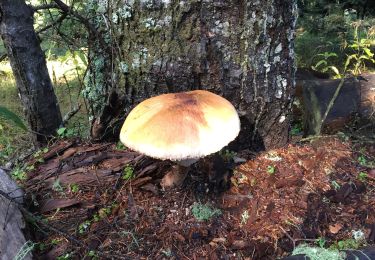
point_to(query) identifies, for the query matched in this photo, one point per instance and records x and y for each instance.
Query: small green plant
(128, 173)
(84, 227)
(335, 185)
(56, 186)
(321, 242)
(93, 255)
(104, 212)
(120, 146)
(18, 174)
(323, 63)
(271, 169)
(204, 212)
(12, 117)
(167, 252)
(64, 132)
(74, 187)
(350, 243)
(362, 176)
(362, 160)
(361, 48)
(66, 256)
(244, 217)
(227, 155)
(30, 167)
(296, 129)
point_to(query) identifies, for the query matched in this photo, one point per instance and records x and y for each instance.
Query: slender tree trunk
(242, 50)
(29, 68)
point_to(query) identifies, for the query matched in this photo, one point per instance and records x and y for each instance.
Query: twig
(45, 6)
(332, 101)
(287, 234)
(90, 27)
(59, 20)
(3, 57)
(70, 114)
(313, 137)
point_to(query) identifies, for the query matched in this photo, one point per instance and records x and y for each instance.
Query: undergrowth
(15, 140)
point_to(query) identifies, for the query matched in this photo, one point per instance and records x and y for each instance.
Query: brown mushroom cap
(180, 126)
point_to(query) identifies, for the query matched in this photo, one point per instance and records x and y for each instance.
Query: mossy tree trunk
(242, 50)
(29, 68)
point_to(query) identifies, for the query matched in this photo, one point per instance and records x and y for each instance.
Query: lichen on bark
(242, 50)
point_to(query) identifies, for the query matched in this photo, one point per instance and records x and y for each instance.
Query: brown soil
(275, 201)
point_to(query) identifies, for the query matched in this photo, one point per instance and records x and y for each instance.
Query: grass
(14, 140)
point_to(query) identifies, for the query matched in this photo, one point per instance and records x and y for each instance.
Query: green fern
(9, 115)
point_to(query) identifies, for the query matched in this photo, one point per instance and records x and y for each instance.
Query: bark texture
(242, 50)
(29, 68)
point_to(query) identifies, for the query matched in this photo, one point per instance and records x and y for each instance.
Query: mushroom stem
(175, 177)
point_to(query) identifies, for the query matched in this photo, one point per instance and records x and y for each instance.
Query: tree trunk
(29, 68)
(242, 50)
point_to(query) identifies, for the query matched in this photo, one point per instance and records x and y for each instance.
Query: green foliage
(350, 243)
(362, 160)
(12, 117)
(74, 188)
(204, 212)
(271, 169)
(297, 129)
(93, 255)
(65, 256)
(120, 146)
(362, 176)
(56, 186)
(84, 227)
(323, 63)
(18, 174)
(321, 242)
(341, 42)
(64, 132)
(227, 155)
(335, 185)
(128, 173)
(244, 217)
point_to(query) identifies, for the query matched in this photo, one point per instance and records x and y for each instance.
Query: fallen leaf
(334, 229)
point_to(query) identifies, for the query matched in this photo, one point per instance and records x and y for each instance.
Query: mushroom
(181, 127)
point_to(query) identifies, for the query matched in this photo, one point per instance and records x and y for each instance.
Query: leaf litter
(312, 192)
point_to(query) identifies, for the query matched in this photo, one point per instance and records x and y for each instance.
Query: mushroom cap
(180, 126)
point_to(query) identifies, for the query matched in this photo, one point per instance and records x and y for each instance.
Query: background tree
(242, 50)
(29, 68)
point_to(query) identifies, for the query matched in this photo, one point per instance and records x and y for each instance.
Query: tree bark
(242, 50)
(29, 68)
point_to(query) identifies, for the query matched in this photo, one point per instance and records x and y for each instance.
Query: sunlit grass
(67, 86)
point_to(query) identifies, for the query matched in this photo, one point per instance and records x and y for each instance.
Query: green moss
(204, 212)
(318, 253)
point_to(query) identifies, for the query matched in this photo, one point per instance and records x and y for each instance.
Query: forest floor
(106, 202)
